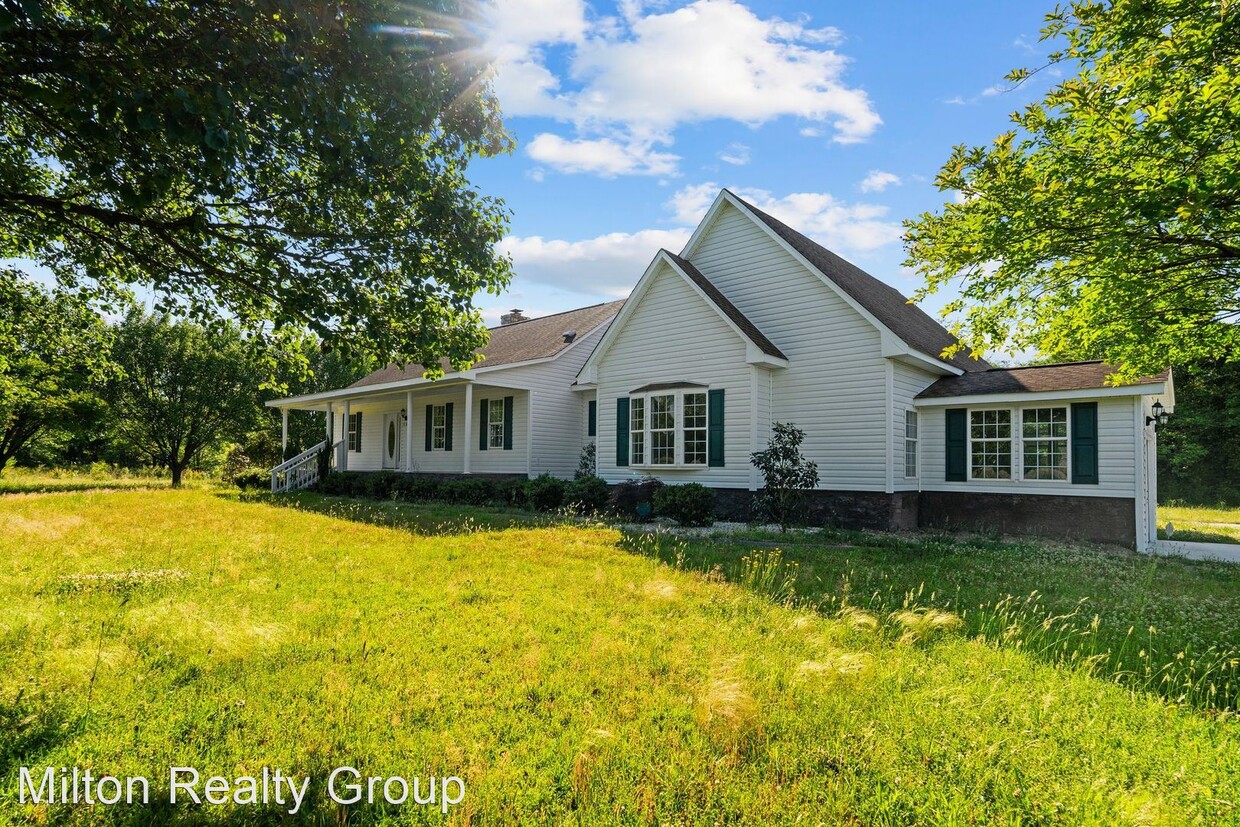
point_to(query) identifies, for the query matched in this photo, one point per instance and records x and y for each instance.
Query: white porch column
(529, 434)
(343, 461)
(409, 432)
(283, 433)
(469, 425)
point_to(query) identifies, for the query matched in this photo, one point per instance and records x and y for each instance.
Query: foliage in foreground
(1104, 224)
(284, 165)
(564, 679)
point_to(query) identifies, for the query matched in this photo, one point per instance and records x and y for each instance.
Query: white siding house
(753, 324)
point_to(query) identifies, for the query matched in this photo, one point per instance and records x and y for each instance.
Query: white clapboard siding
(907, 382)
(834, 388)
(675, 336)
(559, 413)
(1117, 454)
(492, 460)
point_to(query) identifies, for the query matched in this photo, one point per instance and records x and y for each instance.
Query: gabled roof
(907, 321)
(730, 310)
(1070, 376)
(541, 338)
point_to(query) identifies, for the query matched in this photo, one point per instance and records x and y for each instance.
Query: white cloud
(956, 101)
(607, 265)
(996, 89)
(604, 157)
(735, 154)
(878, 180)
(645, 72)
(842, 227)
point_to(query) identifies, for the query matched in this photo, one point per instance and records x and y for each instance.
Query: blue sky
(833, 116)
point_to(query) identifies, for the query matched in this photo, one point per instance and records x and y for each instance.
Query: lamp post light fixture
(1159, 415)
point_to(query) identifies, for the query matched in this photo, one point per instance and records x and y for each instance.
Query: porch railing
(300, 472)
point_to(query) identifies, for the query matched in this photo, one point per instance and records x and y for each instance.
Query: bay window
(669, 428)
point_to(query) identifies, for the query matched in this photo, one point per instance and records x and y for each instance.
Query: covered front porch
(453, 426)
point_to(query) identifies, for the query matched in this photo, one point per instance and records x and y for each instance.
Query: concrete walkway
(1227, 552)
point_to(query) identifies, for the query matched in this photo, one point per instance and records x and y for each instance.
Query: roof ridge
(557, 313)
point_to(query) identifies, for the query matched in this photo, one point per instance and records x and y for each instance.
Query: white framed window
(669, 428)
(693, 407)
(495, 423)
(1044, 443)
(663, 429)
(439, 427)
(355, 432)
(910, 444)
(637, 430)
(990, 444)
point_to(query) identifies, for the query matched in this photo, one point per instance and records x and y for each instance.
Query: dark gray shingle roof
(520, 342)
(730, 310)
(1071, 376)
(908, 321)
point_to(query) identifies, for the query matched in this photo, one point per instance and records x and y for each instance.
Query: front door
(393, 441)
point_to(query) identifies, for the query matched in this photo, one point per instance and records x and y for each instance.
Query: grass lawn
(25, 481)
(1203, 525)
(565, 679)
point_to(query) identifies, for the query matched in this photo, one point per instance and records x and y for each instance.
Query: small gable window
(910, 444)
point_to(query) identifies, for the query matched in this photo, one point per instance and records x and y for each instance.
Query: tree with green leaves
(1107, 223)
(184, 389)
(53, 355)
(787, 476)
(286, 165)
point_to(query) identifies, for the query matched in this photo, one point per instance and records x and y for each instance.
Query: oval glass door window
(391, 440)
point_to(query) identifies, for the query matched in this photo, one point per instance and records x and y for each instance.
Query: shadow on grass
(1193, 535)
(428, 519)
(71, 486)
(29, 727)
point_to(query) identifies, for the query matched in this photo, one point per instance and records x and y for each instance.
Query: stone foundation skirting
(1096, 519)
(838, 509)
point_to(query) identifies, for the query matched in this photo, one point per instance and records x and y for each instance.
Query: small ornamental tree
(786, 474)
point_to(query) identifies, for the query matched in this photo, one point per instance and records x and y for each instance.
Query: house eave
(981, 399)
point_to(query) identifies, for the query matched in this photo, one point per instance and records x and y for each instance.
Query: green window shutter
(507, 423)
(447, 427)
(957, 444)
(430, 415)
(483, 431)
(714, 428)
(358, 438)
(592, 419)
(1085, 443)
(622, 432)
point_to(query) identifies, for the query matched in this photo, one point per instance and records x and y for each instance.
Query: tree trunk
(177, 470)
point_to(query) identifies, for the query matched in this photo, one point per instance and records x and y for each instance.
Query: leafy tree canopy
(289, 165)
(1107, 223)
(53, 354)
(183, 389)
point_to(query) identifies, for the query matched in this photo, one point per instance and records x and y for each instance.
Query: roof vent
(569, 335)
(512, 317)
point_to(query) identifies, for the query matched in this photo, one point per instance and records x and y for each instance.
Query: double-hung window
(439, 427)
(355, 432)
(1044, 436)
(637, 430)
(495, 423)
(663, 429)
(669, 428)
(910, 444)
(990, 444)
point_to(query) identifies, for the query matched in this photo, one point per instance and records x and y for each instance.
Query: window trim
(491, 423)
(439, 433)
(353, 432)
(1013, 446)
(912, 417)
(1066, 439)
(644, 435)
(1017, 440)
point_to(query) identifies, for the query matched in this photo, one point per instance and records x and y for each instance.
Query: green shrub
(788, 475)
(468, 492)
(258, 479)
(417, 489)
(587, 495)
(545, 492)
(378, 485)
(513, 493)
(689, 504)
(634, 499)
(340, 484)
